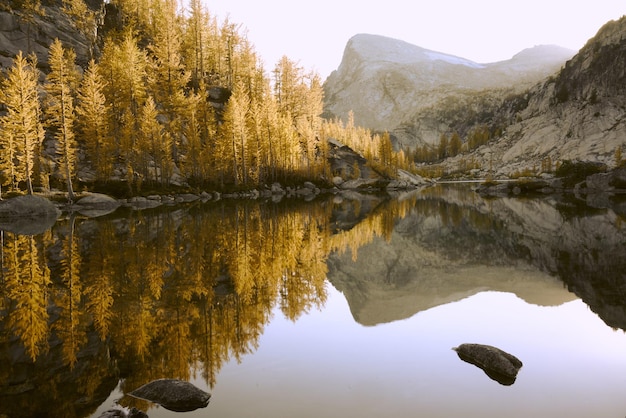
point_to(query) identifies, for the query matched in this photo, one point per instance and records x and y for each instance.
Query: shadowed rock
(497, 364)
(172, 394)
(27, 215)
(123, 413)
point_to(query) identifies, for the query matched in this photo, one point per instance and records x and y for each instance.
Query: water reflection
(181, 292)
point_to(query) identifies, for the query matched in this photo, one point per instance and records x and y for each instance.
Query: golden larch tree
(93, 109)
(21, 123)
(61, 84)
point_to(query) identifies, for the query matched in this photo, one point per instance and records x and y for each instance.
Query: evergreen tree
(235, 133)
(61, 84)
(442, 151)
(124, 66)
(169, 77)
(21, 124)
(7, 158)
(195, 50)
(93, 110)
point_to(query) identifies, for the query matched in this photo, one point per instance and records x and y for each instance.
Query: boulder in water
(497, 364)
(175, 395)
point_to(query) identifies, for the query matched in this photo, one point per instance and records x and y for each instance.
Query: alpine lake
(342, 306)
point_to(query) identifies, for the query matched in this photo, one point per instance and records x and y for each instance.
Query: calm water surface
(322, 309)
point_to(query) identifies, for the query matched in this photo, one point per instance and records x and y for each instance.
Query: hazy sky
(314, 33)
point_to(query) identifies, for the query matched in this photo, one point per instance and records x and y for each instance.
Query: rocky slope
(385, 81)
(579, 114)
(34, 34)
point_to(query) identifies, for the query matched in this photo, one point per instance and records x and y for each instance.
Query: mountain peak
(385, 81)
(544, 52)
(378, 48)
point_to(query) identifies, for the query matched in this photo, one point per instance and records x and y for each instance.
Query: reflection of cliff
(438, 254)
(454, 244)
(585, 247)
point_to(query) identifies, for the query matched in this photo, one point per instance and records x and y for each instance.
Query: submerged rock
(175, 395)
(497, 364)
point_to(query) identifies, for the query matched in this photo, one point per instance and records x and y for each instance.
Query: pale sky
(315, 33)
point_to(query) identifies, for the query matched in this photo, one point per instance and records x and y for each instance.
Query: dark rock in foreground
(172, 394)
(497, 364)
(27, 215)
(123, 413)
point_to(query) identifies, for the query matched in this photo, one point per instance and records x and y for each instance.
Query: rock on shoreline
(28, 215)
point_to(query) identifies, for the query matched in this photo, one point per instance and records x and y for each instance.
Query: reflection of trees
(26, 276)
(68, 297)
(169, 293)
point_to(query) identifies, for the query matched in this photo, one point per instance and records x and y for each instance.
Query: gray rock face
(386, 81)
(576, 115)
(16, 35)
(497, 364)
(175, 395)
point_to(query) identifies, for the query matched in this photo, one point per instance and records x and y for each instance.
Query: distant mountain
(386, 81)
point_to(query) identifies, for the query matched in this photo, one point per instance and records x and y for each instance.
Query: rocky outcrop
(497, 364)
(35, 34)
(353, 172)
(578, 114)
(567, 107)
(96, 204)
(123, 413)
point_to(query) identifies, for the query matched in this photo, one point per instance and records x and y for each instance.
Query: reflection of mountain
(395, 279)
(455, 244)
(584, 246)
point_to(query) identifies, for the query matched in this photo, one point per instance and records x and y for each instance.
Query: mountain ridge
(384, 81)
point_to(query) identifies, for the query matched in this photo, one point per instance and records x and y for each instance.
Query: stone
(96, 204)
(28, 215)
(497, 364)
(123, 413)
(173, 394)
(277, 189)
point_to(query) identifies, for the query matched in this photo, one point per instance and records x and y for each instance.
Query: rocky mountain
(385, 81)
